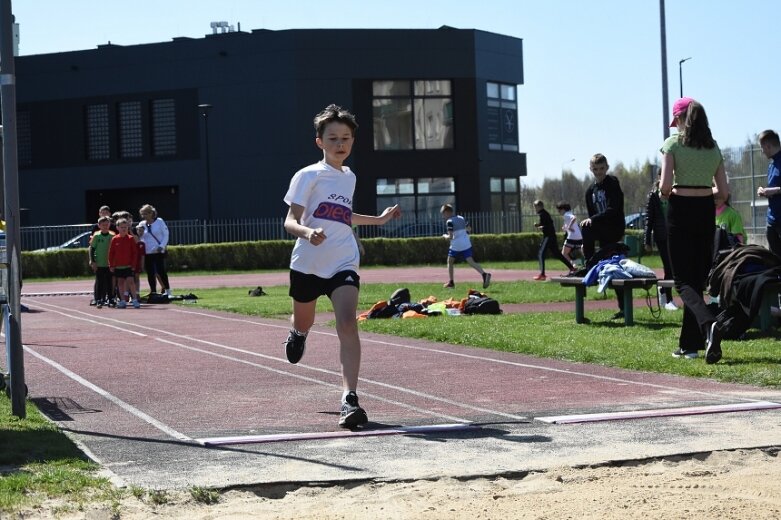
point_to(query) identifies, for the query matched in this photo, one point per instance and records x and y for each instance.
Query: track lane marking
(111, 397)
(401, 389)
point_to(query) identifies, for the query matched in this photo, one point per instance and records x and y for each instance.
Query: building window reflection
(420, 197)
(412, 115)
(505, 195)
(502, 117)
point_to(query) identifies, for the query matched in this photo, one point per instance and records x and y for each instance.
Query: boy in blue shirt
(460, 245)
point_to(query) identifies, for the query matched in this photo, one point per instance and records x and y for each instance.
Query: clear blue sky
(592, 68)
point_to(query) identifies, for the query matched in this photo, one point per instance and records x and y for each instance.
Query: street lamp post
(204, 109)
(680, 72)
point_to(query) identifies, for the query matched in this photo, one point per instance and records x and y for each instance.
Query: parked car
(79, 241)
(634, 221)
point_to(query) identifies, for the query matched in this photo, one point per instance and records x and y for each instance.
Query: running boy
(573, 243)
(460, 245)
(549, 241)
(325, 257)
(98, 261)
(122, 259)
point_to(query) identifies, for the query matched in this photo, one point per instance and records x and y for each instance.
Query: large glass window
(502, 113)
(98, 147)
(420, 197)
(163, 127)
(505, 195)
(131, 139)
(412, 115)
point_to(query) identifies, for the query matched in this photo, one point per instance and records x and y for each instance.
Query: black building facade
(121, 125)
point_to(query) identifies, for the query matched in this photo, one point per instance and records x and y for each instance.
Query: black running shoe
(618, 316)
(713, 345)
(352, 414)
(295, 346)
(486, 280)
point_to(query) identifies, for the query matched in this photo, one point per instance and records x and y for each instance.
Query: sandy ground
(729, 484)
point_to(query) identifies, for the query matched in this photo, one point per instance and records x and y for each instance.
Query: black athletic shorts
(124, 272)
(308, 287)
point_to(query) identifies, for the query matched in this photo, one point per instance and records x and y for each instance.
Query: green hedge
(275, 254)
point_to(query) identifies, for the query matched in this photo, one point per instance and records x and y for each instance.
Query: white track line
(114, 399)
(409, 391)
(485, 359)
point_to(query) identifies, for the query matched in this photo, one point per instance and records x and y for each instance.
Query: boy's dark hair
(563, 205)
(598, 158)
(770, 137)
(122, 221)
(104, 219)
(334, 114)
(104, 208)
(539, 203)
(696, 131)
(446, 207)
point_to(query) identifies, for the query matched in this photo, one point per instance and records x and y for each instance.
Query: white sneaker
(670, 306)
(168, 293)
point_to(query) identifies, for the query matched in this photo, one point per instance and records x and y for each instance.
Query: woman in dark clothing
(691, 162)
(656, 232)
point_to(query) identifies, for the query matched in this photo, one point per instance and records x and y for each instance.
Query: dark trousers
(552, 245)
(691, 228)
(103, 287)
(154, 265)
(598, 232)
(664, 254)
(773, 234)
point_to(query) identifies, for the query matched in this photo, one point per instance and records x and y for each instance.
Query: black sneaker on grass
(352, 414)
(295, 346)
(713, 344)
(486, 280)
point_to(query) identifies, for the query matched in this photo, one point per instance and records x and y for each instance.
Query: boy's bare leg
(475, 265)
(345, 302)
(304, 315)
(451, 262)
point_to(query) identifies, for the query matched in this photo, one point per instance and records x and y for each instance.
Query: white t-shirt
(572, 226)
(460, 240)
(327, 197)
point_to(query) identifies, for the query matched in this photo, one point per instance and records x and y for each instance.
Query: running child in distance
(460, 245)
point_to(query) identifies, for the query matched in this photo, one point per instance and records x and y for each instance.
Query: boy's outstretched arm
(371, 220)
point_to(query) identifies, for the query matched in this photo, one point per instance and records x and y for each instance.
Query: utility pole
(665, 95)
(12, 260)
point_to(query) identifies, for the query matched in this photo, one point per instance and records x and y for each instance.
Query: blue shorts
(308, 287)
(466, 253)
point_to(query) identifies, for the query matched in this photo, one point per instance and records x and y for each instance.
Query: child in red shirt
(123, 260)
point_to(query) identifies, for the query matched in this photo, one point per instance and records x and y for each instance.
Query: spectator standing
(728, 219)
(771, 148)
(122, 256)
(155, 239)
(98, 261)
(549, 242)
(691, 163)
(605, 222)
(656, 232)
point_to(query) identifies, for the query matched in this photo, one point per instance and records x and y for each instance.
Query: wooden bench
(627, 284)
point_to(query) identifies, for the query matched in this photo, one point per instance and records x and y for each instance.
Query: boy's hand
(93, 266)
(389, 213)
(316, 236)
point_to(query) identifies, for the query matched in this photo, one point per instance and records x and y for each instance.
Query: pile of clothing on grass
(399, 305)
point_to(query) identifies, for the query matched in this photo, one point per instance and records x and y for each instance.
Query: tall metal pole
(665, 95)
(11, 180)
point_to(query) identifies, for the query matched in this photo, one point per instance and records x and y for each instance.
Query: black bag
(481, 305)
(399, 296)
(156, 298)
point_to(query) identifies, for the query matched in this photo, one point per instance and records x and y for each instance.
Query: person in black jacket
(549, 242)
(605, 204)
(605, 222)
(656, 231)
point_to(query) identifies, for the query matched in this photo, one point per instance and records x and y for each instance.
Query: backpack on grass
(481, 305)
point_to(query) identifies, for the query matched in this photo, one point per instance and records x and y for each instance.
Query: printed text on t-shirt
(334, 212)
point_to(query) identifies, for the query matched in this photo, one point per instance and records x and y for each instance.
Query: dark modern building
(122, 125)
